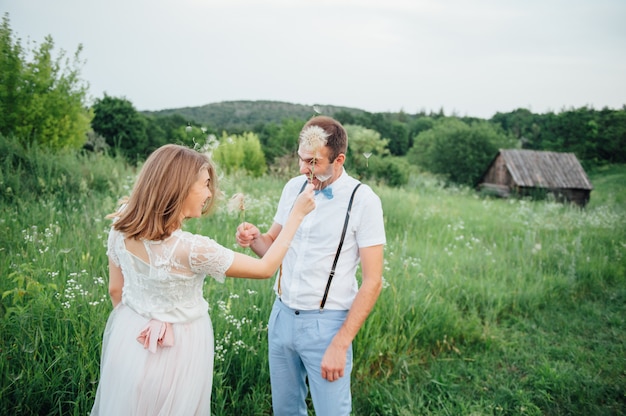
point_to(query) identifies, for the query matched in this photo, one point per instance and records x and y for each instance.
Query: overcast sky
(471, 58)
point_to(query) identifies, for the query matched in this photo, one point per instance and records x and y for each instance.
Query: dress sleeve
(114, 235)
(207, 257)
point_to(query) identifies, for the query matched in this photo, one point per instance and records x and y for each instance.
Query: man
(315, 318)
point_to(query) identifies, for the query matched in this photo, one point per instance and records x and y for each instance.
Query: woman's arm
(116, 283)
(248, 235)
(273, 248)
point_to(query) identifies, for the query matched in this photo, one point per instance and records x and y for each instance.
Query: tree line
(43, 101)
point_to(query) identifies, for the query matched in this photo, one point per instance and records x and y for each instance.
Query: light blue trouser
(297, 342)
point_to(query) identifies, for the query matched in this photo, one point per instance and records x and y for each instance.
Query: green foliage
(175, 128)
(419, 125)
(396, 132)
(595, 137)
(198, 138)
(42, 101)
(122, 126)
(253, 157)
(281, 139)
(460, 151)
(31, 173)
(364, 145)
(26, 289)
(240, 153)
(609, 133)
(399, 139)
(49, 362)
(11, 70)
(392, 171)
(608, 183)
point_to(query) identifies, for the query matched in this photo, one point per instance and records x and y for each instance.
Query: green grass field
(489, 307)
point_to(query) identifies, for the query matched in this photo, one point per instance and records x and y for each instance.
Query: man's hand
(246, 234)
(333, 363)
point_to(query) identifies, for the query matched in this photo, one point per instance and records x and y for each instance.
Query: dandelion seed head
(236, 203)
(313, 138)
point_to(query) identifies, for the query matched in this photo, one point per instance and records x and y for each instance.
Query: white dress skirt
(173, 380)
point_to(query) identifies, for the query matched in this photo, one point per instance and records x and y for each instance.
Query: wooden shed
(532, 172)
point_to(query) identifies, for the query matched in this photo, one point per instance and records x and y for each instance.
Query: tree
(281, 139)
(518, 122)
(171, 129)
(419, 125)
(11, 69)
(395, 131)
(122, 126)
(460, 151)
(611, 135)
(42, 101)
(344, 117)
(363, 144)
(398, 139)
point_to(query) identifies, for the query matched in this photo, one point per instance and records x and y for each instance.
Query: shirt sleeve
(207, 257)
(371, 229)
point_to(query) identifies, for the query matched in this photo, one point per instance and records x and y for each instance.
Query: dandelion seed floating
(188, 128)
(317, 110)
(367, 158)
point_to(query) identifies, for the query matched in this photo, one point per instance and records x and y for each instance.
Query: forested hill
(245, 115)
(595, 136)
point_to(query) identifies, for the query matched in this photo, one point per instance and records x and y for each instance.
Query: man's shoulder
(364, 189)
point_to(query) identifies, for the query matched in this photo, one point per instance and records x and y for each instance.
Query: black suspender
(343, 235)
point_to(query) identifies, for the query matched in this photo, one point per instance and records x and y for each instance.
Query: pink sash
(156, 332)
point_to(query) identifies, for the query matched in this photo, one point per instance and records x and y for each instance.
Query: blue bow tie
(328, 192)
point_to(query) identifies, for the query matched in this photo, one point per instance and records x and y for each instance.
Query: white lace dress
(161, 380)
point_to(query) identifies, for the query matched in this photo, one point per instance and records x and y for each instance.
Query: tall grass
(489, 306)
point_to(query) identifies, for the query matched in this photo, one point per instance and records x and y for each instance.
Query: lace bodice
(169, 287)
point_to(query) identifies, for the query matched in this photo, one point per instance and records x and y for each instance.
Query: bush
(393, 171)
(240, 153)
(31, 172)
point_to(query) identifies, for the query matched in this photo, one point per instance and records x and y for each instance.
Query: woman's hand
(305, 202)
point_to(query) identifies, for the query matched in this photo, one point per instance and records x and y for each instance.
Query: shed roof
(552, 170)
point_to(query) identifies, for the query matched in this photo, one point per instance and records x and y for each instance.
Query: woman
(157, 352)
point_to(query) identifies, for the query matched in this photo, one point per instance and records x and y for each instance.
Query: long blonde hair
(154, 209)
